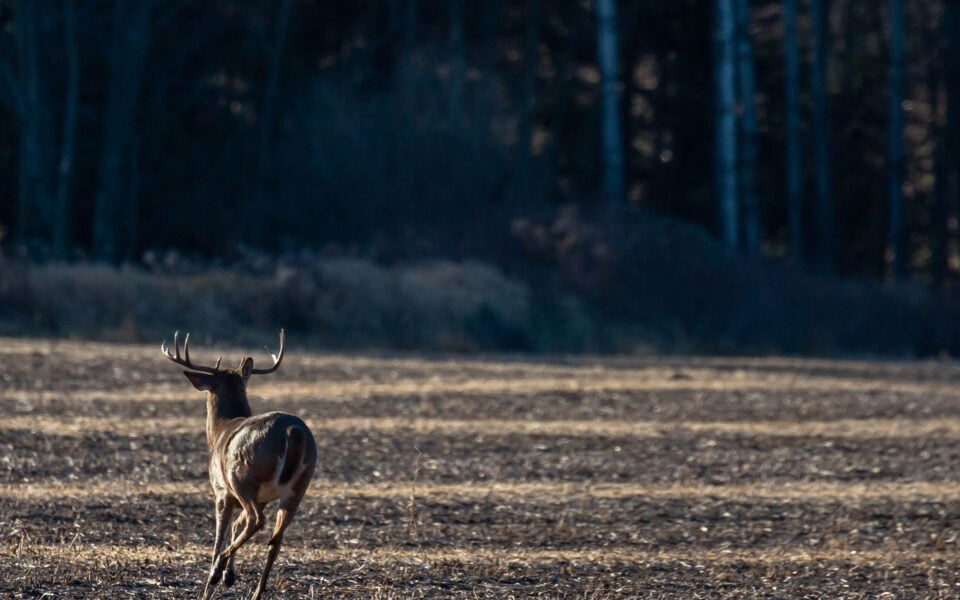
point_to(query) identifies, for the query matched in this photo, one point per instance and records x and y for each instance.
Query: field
(511, 477)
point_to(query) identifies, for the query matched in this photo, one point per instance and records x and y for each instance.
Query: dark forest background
(731, 175)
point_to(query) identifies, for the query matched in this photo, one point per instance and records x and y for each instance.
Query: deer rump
(262, 457)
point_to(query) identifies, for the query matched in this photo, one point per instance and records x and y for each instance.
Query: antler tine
(277, 358)
(186, 348)
(166, 351)
(185, 360)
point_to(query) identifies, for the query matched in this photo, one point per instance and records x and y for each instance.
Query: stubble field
(452, 477)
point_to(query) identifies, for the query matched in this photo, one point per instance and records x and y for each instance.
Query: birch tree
(612, 141)
(748, 129)
(725, 121)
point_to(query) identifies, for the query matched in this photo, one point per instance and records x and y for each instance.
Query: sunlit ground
(457, 477)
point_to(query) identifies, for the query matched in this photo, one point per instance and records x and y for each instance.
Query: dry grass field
(453, 477)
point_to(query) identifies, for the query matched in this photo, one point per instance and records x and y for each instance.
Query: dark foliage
(403, 131)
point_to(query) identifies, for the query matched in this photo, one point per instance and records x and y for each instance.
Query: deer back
(263, 456)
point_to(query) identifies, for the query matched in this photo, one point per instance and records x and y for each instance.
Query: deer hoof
(214, 579)
(229, 578)
(216, 572)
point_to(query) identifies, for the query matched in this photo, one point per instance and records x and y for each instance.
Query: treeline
(823, 132)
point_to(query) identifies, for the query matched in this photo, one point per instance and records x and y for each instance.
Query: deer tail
(296, 452)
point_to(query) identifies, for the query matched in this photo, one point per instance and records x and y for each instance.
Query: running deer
(254, 459)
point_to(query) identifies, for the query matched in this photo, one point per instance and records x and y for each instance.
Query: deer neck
(223, 408)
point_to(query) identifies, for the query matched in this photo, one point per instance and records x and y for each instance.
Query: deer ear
(201, 381)
(246, 367)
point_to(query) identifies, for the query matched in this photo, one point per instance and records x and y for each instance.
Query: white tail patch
(272, 490)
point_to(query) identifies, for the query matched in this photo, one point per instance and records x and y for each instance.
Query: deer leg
(253, 521)
(230, 575)
(224, 510)
(284, 517)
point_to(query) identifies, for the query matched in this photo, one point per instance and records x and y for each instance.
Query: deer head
(226, 388)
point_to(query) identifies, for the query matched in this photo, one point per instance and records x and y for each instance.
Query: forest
(725, 176)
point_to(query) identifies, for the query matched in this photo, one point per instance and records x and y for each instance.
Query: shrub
(345, 302)
(669, 285)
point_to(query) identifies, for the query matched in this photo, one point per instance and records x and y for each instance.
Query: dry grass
(165, 554)
(496, 478)
(787, 491)
(842, 428)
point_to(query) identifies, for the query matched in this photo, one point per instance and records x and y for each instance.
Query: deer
(254, 460)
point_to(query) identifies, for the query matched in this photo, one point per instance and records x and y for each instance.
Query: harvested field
(495, 478)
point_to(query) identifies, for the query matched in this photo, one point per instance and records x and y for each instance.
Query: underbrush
(668, 285)
(568, 285)
(337, 302)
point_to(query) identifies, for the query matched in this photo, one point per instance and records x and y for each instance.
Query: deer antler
(185, 361)
(276, 359)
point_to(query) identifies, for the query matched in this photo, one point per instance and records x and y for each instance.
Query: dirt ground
(516, 477)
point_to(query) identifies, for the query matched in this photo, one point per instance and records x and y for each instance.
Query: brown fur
(254, 460)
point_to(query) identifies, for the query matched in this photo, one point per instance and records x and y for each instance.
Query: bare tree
(613, 186)
(409, 17)
(947, 170)
(897, 227)
(457, 53)
(30, 93)
(725, 123)
(255, 209)
(532, 36)
(114, 228)
(748, 129)
(823, 200)
(36, 122)
(63, 206)
(793, 143)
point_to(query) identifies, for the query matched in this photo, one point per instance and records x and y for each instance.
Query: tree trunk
(897, 227)
(114, 230)
(748, 130)
(458, 64)
(411, 18)
(612, 140)
(726, 127)
(531, 71)
(823, 200)
(34, 198)
(256, 215)
(794, 154)
(947, 186)
(62, 218)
